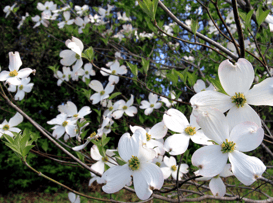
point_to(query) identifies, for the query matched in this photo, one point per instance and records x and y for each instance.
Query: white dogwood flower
(171, 168)
(9, 127)
(101, 92)
(25, 86)
(115, 69)
(124, 107)
(150, 105)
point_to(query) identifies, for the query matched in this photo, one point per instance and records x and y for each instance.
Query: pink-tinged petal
(247, 169)
(144, 104)
(177, 144)
(105, 72)
(157, 105)
(96, 85)
(19, 95)
(116, 178)
(14, 61)
(84, 111)
(153, 98)
(58, 132)
(128, 146)
(247, 136)
(210, 160)
(16, 120)
(214, 125)
(95, 98)
(98, 167)
(217, 187)
(149, 176)
(199, 86)
(205, 99)
(118, 114)
(237, 115)
(166, 172)
(148, 111)
(95, 154)
(261, 94)
(4, 75)
(227, 171)
(236, 78)
(158, 131)
(175, 120)
(200, 138)
(131, 111)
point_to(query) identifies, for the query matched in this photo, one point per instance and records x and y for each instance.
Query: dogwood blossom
(236, 81)
(14, 75)
(70, 109)
(231, 142)
(9, 127)
(88, 70)
(123, 17)
(23, 87)
(82, 23)
(122, 107)
(146, 175)
(81, 10)
(67, 20)
(101, 92)
(115, 69)
(168, 102)
(22, 20)
(150, 105)
(171, 168)
(8, 9)
(47, 7)
(40, 20)
(63, 76)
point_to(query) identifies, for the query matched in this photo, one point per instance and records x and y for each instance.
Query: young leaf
(194, 26)
(145, 65)
(88, 54)
(114, 95)
(133, 68)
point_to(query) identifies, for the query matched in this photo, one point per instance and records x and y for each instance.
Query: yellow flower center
(114, 72)
(227, 146)
(13, 73)
(93, 134)
(102, 92)
(134, 163)
(173, 168)
(152, 105)
(21, 87)
(105, 159)
(64, 123)
(148, 137)
(6, 127)
(75, 115)
(158, 164)
(190, 130)
(111, 108)
(239, 99)
(125, 107)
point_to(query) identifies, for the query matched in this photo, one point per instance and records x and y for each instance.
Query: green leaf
(88, 54)
(248, 18)
(80, 156)
(105, 40)
(120, 161)
(145, 65)
(217, 84)
(26, 150)
(194, 26)
(44, 145)
(104, 139)
(13, 147)
(180, 75)
(114, 95)
(192, 77)
(172, 76)
(133, 68)
(262, 17)
(8, 138)
(242, 15)
(54, 68)
(87, 93)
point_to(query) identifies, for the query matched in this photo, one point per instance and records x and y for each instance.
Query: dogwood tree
(177, 71)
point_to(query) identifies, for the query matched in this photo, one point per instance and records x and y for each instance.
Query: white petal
(166, 172)
(71, 195)
(78, 43)
(238, 115)
(200, 138)
(24, 72)
(148, 111)
(184, 168)
(98, 167)
(131, 111)
(214, 125)
(153, 98)
(217, 187)
(58, 132)
(175, 120)
(16, 120)
(116, 178)
(227, 171)
(247, 136)
(261, 94)
(210, 160)
(19, 95)
(96, 85)
(149, 175)
(231, 76)
(199, 86)
(95, 154)
(144, 104)
(68, 57)
(118, 114)
(158, 131)
(71, 109)
(177, 144)
(128, 146)
(4, 75)
(84, 111)
(130, 101)
(96, 98)
(246, 168)
(203, 100)
(14, 61)
(105, 72)
(109, 88)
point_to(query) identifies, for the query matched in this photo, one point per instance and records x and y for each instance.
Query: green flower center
(47, 8)
(102, 92)
(134, 163)
(78, 56)
(148, 137)
(158, 164)
(111, 108)
(190, 130)
(86, 72)
(64, 123)
(114, 72)
(63, 76)
(152, 105)
(227, 146)
(6, 127)
(239, 99)
(174, 168)
(75, 115)
(21, 87)
(125, 107)
(13, 73)
(105, 159)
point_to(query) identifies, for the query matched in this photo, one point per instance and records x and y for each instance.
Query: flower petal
(14, 61)
(177, 144)
(175, 120)
(217, 187)
(16, 120)
(128, 146)
(158, 131)
(96, 85)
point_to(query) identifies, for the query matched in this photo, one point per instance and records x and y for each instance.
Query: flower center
(148, 137)
(6, 127)
(75, 115)
(125, 107)
(114, 72)
(111, 108)
(63, 76)
(13, 73)
(21, 87)
(86, 72)
(239, 99)
(158, 164)
(227, 146)
(93, 134)
(102, 92)
(134, 163)
(190, 130)
(78, 56)
(173, 168)
(104, 159)
(64, 123)
(152, 105)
